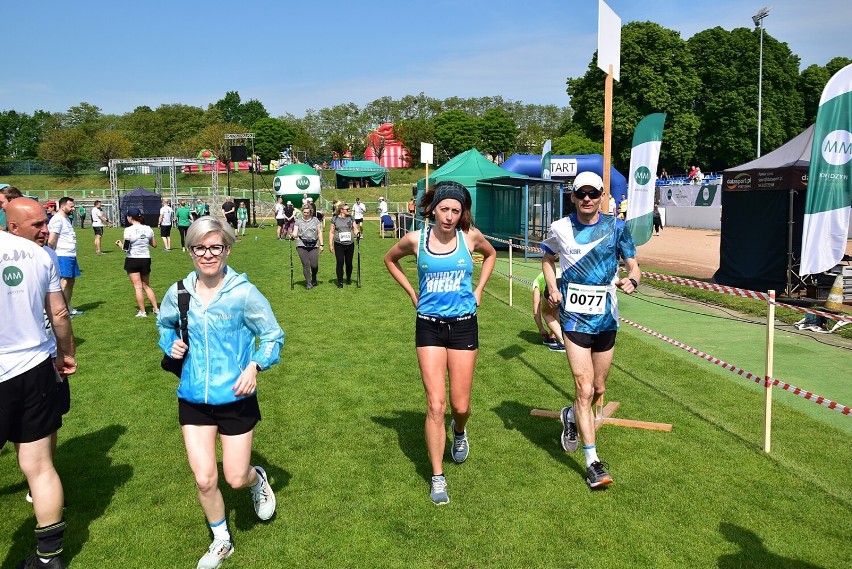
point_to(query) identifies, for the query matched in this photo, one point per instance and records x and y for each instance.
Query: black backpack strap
(183, 308)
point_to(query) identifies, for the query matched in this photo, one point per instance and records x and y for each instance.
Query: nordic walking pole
(358, 246)
(292, 282)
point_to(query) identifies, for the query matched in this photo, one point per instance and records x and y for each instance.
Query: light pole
(758, 22)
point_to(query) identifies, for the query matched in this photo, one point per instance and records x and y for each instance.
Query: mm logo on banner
(12, 276)
(303, 183)
(642, 175)
(837, 147)
(276, 184)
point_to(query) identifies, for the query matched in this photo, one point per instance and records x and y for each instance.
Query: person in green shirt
(242, 218)
(82, 211)
(184, 220)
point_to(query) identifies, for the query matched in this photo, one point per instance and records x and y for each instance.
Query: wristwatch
(258, 368)
(633, 282)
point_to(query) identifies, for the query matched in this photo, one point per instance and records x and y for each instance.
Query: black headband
(450, 191)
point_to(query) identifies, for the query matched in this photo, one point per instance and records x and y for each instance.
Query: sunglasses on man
(581, 194)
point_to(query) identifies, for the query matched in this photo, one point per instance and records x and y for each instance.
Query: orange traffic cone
(835, 295)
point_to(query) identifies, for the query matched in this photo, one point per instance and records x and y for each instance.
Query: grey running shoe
(438, 493)
(264, 498)
(460, 448)
(569, 439)
(556, 347)
(597, 475)
(218, 551)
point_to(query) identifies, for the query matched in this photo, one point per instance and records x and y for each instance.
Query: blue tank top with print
(446, 290)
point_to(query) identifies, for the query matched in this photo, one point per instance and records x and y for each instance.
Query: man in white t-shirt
(98, 223)
(279, 217)
(63, 240)
(383, 207)
(29, 398)
(167, 218)
(358, 211)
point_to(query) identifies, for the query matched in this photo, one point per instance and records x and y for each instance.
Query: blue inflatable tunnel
(530, 165)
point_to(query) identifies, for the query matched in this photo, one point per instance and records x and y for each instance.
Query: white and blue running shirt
(588, 255)
(446, 290)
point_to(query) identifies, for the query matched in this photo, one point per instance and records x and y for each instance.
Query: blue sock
(220, 530)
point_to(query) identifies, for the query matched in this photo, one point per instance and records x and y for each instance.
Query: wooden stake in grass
(606, 418)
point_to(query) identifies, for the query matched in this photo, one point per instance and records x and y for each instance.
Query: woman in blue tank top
(446, 330)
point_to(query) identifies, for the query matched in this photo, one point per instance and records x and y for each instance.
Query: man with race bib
(589, 245)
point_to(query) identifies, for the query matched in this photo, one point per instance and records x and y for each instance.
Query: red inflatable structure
(385, 150)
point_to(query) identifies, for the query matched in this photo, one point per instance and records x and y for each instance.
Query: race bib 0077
(585, 299)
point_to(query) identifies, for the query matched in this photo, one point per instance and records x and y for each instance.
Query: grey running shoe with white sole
(264, 497)
(569, 439)
(438, 493)
(218, 551)
(461, 447)
(597, 475)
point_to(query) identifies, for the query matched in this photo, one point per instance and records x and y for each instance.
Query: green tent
(497, 206)
(357, 169)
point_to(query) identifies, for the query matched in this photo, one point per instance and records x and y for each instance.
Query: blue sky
(293, 56)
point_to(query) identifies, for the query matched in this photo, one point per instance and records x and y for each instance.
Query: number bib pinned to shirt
(585, 299)
(345, 237)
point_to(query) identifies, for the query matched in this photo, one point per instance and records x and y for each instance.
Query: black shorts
(231, 218)
(165, 231)
(64, 393)
(237, 418)
(98, 230)
(30, 405)
(137, 265)
(280, 222)
(600, 342)
(460, 333)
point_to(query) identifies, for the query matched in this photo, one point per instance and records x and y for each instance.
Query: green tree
(213, 138)
(411, 132)
(106, 145)
(498, 132)
(65, 147)
(271, 137)
(229, 106)
(84, 116)
(657, 75)
(573, 143)
(165, 131)
(455, 132)
(813, 81)
(251, 112)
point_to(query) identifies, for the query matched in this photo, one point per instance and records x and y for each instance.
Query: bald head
(26, 218)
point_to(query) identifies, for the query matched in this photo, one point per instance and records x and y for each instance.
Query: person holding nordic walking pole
(446, 328)
(589, 245)
(341, 234)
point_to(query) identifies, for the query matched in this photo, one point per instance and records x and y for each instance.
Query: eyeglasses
(201, 250)
(581, 194)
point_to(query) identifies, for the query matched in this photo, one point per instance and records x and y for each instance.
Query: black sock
(50, 539)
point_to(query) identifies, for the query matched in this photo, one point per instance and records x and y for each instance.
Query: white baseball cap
(588, 179)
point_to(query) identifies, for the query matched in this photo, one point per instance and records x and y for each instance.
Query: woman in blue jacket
(217, 393)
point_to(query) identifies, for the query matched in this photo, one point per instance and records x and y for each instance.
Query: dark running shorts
(165, 231)
(64, 394)
(280, 222)
(600, 342)
(461, 333)
(136, 265)
(233, 419)
(99, 230)
(30, 405)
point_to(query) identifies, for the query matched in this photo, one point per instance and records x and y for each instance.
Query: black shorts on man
(30, 405)
(600, 342)
(461, 333)
(165, 231)
(98, 230)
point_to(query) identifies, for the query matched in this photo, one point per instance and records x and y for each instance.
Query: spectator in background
(98, 222)
(358, 211)
(138, 237)
(81, 211)
(278, 208)
(63, 240)
(167, 219)
(7, 194)
(658, 220)
(229, 209)
(184, 220)
(289, 219)
(664, 175)
(50, 208)
(242, 217)
(383, 207)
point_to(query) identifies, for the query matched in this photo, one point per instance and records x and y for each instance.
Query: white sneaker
(141, 314)
(156, 311)
(264, 498)
(218, 551)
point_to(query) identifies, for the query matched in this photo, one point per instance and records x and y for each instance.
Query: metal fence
(46, 167)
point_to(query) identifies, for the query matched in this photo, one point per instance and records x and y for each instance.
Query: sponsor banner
(766, 179)
(705, 195)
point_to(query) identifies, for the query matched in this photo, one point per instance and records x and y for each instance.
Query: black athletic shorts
(233, 419)
(64, 393)
(99, 230)
(460, 333)
(600, 342)
(137, 265)
(165, 231)
(30, 406)
(280, 222)
(231, 218)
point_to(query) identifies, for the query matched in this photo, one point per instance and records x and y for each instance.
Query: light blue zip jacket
(222, 337)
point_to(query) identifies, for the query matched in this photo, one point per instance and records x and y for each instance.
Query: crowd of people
(218, 332)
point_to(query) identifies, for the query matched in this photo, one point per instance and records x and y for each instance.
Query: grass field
(341, 438)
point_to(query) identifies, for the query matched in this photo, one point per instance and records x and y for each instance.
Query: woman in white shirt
(137, 239)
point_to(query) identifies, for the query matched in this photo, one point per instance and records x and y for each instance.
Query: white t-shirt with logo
(96, 217)
(140, 238)
(358, 210)
(29, 274)
(66, 244)
(279, 211)
(168, 215)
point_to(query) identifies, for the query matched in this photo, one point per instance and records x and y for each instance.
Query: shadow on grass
(89, 306)
(540, 431)
(409, 431)
(239, 503)
(515, 352)
(753, 553)
(89, 479)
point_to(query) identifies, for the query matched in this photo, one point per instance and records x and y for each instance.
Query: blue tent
(149, 202)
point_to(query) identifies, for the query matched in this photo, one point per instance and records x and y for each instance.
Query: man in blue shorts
(589, 245)
(63, 240)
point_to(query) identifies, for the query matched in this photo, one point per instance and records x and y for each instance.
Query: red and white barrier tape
(514, 278)
(742, 292)
(513, 244)
(843, 409)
